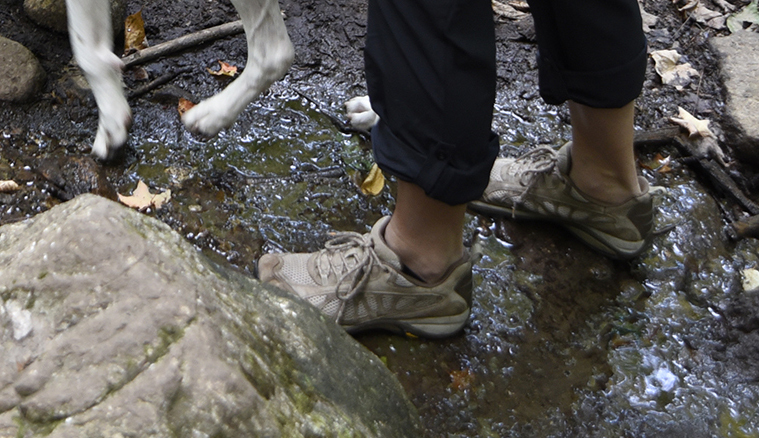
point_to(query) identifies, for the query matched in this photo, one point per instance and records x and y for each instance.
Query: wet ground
(562, 342)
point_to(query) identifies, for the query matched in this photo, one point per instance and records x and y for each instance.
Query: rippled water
(562, 342)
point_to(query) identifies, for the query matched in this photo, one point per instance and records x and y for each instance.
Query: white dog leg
(360, 113)
(270, 54)
(91, 38)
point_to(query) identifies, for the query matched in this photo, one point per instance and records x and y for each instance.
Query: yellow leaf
(695, 127)
(142, 199)
(374, 182)
(225, 70)
(134, 33)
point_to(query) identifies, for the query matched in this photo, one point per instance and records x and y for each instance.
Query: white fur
(360, 113)
(270, 54)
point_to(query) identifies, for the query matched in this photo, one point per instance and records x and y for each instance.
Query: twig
(150, 86)
(183, 42)
(656, 137)
(716, 174)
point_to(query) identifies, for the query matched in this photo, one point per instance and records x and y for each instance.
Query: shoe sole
(606, 244)
(433, 327)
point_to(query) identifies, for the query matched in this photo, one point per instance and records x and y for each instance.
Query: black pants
(430, 69)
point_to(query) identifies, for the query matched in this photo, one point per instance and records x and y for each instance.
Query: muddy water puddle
(562, 342)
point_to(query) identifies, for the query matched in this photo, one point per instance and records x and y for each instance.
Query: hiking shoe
(537, 186)
(357, 280)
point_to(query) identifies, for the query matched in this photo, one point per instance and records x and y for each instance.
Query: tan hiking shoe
(537, 186)
(357, 280)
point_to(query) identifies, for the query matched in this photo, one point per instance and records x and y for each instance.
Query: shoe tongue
(564, 159)
(380, 246)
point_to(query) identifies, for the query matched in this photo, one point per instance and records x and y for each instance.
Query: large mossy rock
(112, 325)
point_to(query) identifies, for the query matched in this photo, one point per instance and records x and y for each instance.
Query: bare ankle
(428, 264)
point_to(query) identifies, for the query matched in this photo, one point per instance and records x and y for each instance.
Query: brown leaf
(8, 186)
(224, 70)
(461, 380)
(142, 199)
(134, 33)
(184, 105)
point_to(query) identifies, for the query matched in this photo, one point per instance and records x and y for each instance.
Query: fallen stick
(183, 42)
(719, 178)
(152, 85)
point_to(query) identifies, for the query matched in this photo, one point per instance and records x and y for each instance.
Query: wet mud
(562, 342)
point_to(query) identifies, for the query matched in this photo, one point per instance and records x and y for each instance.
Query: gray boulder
(112, 325)
(52, 14)
(739, 56)
(21, 75)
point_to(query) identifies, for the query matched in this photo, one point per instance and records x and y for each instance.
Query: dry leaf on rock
(8, 186)
(672, 73)
(184, 105)
(225, 70)
(142, 199)
(374, 181)
(134, 33)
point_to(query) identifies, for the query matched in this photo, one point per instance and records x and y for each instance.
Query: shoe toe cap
(268, 266)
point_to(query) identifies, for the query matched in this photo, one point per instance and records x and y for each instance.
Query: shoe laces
(350, 257)
(531, 166)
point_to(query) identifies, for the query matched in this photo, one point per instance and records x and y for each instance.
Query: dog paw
(360, 113)
(112, 135)
(208, 118)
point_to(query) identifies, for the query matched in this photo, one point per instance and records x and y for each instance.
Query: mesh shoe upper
(536, 186)
(358, 280)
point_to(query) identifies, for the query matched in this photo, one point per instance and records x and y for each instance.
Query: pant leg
(430, 69)
(590, 51)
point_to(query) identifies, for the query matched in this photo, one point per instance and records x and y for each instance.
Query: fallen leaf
(695, 127)
(506, 11)
(462, 380)
(750, 279)
(374, 181)
(134, 33)
(749, 14)
(8, 186)
(706, 16)
(225, 70)
(649, 20)
(142, 199)
(672, 73)
(184, 105)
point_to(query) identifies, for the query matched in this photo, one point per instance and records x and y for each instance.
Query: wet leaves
(142, 199)
(374, 182)
(224, 70)
(134, 33)
(462, 380)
